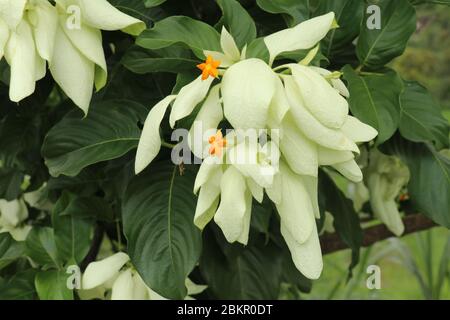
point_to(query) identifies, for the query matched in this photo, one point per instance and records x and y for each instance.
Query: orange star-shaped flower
(217, 142)
(209, 68)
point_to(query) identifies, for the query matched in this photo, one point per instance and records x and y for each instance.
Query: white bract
(114, 278)
(66, 36)
(385, 178)
(12, 215)
(305, 111)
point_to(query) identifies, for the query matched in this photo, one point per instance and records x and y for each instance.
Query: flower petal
(320, 98)
(295, 209)
(338, 84)
(311, 185)
(208, 171)
(100, 14)
(311, 127)
(21, 56)
(299, 151)
(188, 98)
(44, 19)
(208, 178)
(230, 215)
(208, 118)
(12, 213)
(73, 72)
(350, 170)
(306, 256)
(328, 157)
(4, 36)
(229, 46)
(358, 131)
(99, 272)
(150, 142)
(243, 237)
(303, 36)
(123, 288)
(247, 90)
(279, 106)
(384, 208)
(11, 12)
(256, 190)
(225, 61)
(89, 42)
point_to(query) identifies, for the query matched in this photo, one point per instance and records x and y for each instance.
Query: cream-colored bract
(115, 279)
(386, 176)
(34, 33)
(305, 108)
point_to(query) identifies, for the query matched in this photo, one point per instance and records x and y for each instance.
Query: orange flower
(209, 68)
(217, 142)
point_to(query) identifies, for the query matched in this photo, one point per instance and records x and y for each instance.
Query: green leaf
(294, 11)
(261, 214)
(72, 234)
(163, 242)
(419, 2)
(237, 21)
(234, 272)
(196, 35)
(421, 119)
(346, 220)
(349, 14)
(10, 250)
(292, 276)
(429, 185)
(153, 3)
(140, 10)
(108, 132)
(10, 183)
(374, 99)
(377, 47)
(52, 285)
(258, 49)
(140, 61)
(19, 287)
(40, 246)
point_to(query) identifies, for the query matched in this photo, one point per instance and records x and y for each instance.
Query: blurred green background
(416, 266)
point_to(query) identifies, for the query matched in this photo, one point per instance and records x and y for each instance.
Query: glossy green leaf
(19, 287)
(10, 182)
(346, 220)
(421, 118)
(348, 15)
(40, 246)
(377, 47)
(140, 61)
(196, 35)
(141, 9)
(235, 272)
(10, 250)
(108, 132)
(163, 242)
(72, 233)
(374, 99)
(294, 11)
(237, 21)
(52, 285)
(429, 185)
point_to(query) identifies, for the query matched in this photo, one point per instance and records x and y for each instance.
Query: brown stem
(413, 223)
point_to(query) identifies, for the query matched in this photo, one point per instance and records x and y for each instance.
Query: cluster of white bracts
(385, 177)
(113, 278)
(66, 36)
(12, 215)
(308, 106)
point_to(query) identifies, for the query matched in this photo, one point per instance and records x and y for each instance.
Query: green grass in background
(397, 280)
